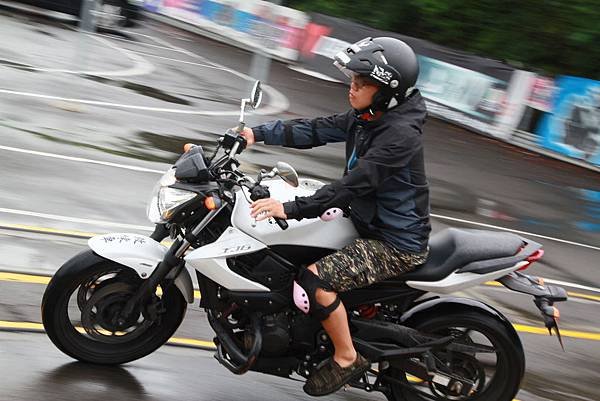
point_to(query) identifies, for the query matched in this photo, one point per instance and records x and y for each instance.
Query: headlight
(165, 200)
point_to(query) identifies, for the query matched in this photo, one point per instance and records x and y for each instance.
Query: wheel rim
(93, 308)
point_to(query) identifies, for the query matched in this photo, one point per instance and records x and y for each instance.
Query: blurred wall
(560, 119)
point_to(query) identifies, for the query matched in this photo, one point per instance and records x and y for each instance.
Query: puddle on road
(140, 89)
(18, 66)
(166, 148)
(44, 32)
(147, 146)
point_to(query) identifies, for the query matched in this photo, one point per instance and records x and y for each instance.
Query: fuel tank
(334, 234)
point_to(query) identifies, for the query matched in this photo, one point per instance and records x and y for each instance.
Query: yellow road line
(565, 333)
(40, 327)
(584, 296)
(83, 234)
(28, 278)
(33, 279)
(569, 293)
(192, 342)
(21, 325)
(46, 230)
(24, 278)
(71, 233)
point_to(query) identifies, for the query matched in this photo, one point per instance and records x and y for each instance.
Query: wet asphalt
(134, 99)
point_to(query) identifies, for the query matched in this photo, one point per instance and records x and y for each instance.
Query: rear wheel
(495, 374)
(81, 312)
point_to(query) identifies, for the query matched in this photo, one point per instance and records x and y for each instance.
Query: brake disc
(100, 316)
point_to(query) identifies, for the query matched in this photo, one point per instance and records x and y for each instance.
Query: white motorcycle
(126, 295)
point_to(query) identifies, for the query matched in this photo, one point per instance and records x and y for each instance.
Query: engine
(276, 334)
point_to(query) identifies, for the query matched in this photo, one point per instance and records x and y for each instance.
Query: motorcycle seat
(453, 248)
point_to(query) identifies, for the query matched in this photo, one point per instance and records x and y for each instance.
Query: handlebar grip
(281, 223)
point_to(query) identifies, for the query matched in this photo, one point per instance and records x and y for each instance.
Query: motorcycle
(126, 295)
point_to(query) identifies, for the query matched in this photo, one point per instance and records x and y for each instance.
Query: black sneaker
(331, 376)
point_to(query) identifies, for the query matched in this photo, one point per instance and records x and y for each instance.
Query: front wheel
(495, 374)
(81, 312)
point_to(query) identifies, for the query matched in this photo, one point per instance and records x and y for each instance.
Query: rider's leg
(336, 326)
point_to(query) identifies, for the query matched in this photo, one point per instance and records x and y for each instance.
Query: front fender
(141, 253)
(441, 306)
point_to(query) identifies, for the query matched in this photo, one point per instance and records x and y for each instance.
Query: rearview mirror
(287, 173)
(256, 95)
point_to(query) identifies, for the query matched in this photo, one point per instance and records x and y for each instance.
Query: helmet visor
(341, 61)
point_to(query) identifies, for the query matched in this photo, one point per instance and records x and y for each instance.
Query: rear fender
(142, 254)
(442, 306)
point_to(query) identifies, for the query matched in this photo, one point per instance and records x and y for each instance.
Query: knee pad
(305, 290)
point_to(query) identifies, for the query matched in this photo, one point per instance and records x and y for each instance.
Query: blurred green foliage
(547, 36)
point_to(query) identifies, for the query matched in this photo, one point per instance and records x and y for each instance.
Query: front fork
(171, 264)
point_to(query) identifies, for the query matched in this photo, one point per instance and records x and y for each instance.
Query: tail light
(534, 257)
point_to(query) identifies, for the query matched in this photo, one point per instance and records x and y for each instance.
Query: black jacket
(386, 188)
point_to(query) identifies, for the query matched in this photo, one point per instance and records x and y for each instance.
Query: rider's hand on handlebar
(248, 134)
(265, 208)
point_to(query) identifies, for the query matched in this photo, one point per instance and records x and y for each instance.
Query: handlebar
(234, 143)
(283, 224)
(257, 192)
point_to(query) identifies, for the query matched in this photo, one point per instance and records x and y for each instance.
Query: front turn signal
(212, 202)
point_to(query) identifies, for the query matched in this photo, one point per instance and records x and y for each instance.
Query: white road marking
(153, 38)
(143, 169)
(75, 219)
(102, 223)
(80, 159)
(134, 42)
(278, 102)
(181, 61)
(177, 36)
(122, 106)
(573, 285)
(439, 216)
(141, 66)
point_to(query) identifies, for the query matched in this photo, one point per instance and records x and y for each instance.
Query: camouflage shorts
(364, 262)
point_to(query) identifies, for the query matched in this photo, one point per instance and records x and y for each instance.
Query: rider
(384, 186)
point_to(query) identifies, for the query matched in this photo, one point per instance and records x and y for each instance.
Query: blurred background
(97, 98)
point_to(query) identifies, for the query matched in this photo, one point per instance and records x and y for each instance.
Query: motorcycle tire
(75, 341)
(510, 361)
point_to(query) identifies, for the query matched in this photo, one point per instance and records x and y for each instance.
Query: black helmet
(388, 61)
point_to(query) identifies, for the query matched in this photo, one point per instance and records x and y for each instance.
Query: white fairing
(210, 260)
(459, 281)
(141, 253)
(315, 232)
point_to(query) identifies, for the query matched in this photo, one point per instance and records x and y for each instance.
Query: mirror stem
(242, 124)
